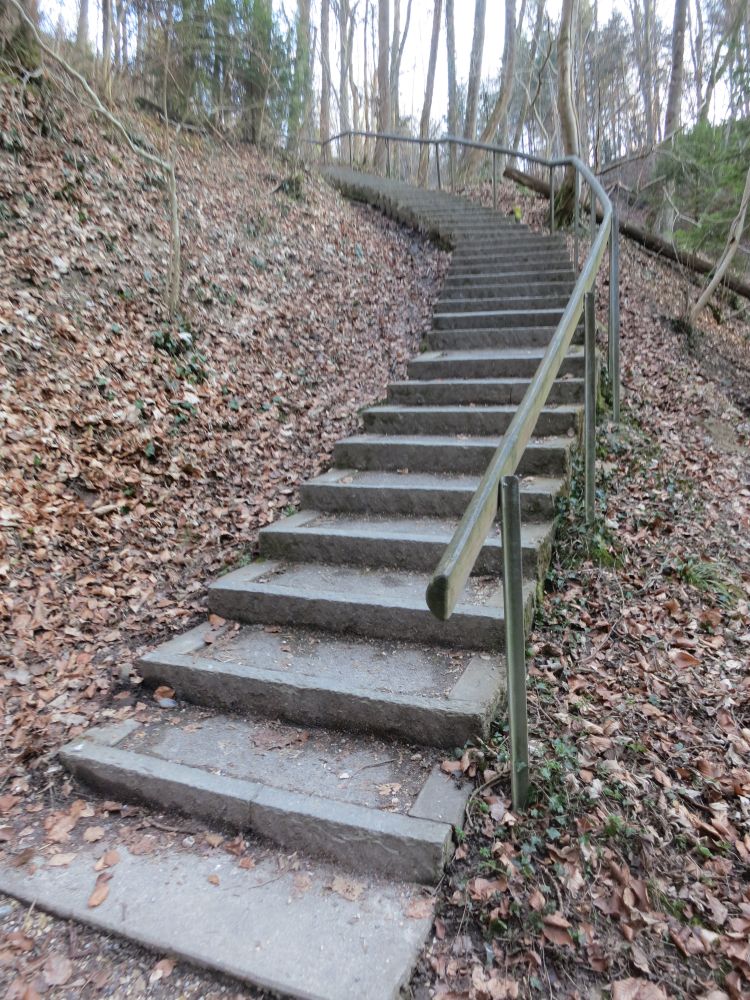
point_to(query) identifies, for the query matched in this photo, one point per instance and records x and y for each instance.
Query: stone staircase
(318, 702)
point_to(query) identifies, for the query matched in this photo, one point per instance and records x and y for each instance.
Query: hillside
(139, 459)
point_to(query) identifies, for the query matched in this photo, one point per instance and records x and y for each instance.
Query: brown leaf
(93, 833)
(101, 890)
(637, 989)
(60, 860)
(163, 692)
(162, 970)
(214, 879)
(681, 658)
(347, 888)
(57, 969)
(420, 907)
(537, 900)
(108, 860)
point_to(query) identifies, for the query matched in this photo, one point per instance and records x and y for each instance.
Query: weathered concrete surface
(414, 693)
(354, 836)
(416, 493)
(285, 931)
(378, 603)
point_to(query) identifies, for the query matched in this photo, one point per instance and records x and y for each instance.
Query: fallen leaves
(347, 888)
(101, 890)
(57, 969)
(628, 873)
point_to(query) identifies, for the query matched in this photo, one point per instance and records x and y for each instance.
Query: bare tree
(424, 124)
(106, 74)
(733, 242)
(398, 44)
(500, 108)
(384, 88)
(565, 103)
(325, 74)
(82, 31)
(450, 41)
(528, 100)
(475, 70)
(674, 97)
(301, 78)
(344, 60)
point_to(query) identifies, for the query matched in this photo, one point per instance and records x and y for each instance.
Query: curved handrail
(455, 566)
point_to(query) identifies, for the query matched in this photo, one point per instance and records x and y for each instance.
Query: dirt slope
(139, 459)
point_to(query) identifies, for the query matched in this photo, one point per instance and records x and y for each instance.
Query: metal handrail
(453, 570)
(449, 579)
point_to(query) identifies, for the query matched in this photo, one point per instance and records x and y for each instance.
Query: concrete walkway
(316, 717)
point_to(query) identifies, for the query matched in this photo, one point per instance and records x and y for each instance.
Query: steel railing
(499, 486)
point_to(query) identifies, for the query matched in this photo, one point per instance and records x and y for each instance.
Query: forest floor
(137, 463)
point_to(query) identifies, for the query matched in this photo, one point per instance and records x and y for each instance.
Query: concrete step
(479, 391)
(531, 285)
(378, 603)
(506, 241)
(393, 689)
(278, 926)
(513, 362)
(474, 257)
(471, 420)
(515, 271)
(518, 264)
(466, 339)
(413, 544)
(354, 491)
(543, 456)
(498, 318)
(314, 790)
(511, 299)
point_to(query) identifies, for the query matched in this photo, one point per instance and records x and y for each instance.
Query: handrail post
(437, 162)
(593, 215)
(614, 315)
(494, 180)
(387, 157)
(551, 199)
(589, 430)
(577, 220)
(452, 161)
(351, 152)
(515, 640)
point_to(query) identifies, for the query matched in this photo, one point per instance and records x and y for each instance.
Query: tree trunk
(397, 54)
(538, 24)
(733, 242)
(500, 109)
(450, 41)
(366, 94)
(325, 73)
(300, 80)
(122, 16)
(424, 124)
(384, 89)
(475, 70)
(82, 32)
(566, 107)
(344, 56)
(674, 98)
(106, 46)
